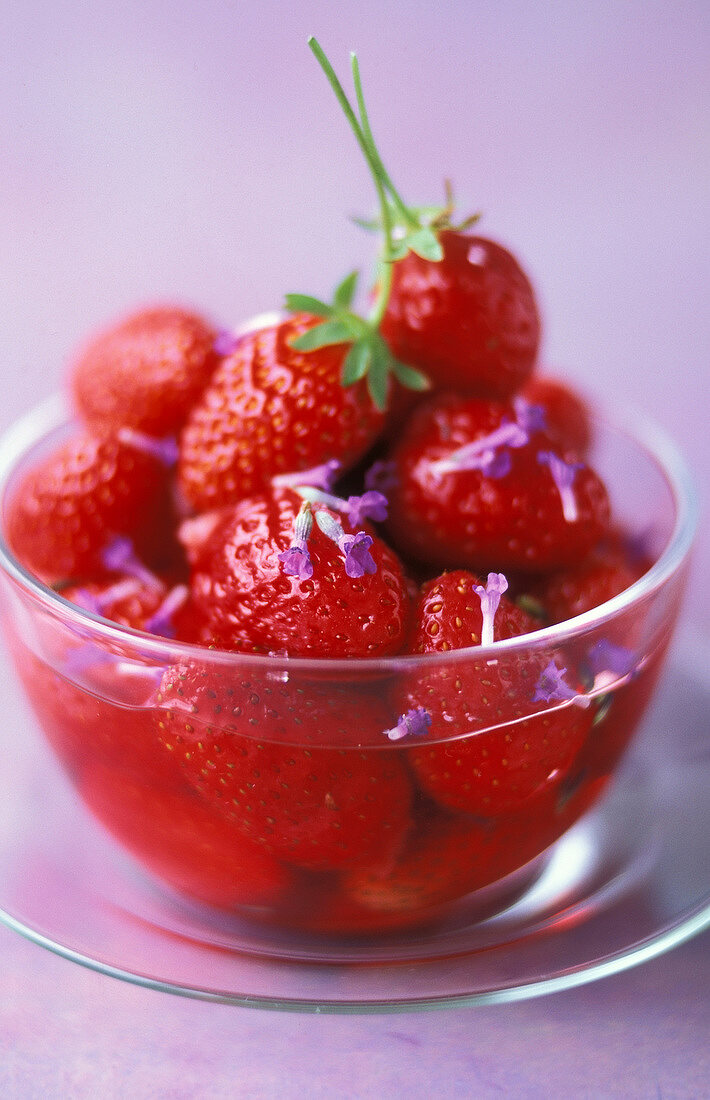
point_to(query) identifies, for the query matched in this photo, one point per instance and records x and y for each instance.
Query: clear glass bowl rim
(53, 414)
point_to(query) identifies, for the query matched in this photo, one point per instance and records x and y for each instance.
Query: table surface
(192, 152)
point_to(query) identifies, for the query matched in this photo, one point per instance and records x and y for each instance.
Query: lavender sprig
(490, 596)
(415, 723)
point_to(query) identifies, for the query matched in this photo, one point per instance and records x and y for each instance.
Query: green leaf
(357, 362)
(345, 291)
(377, 377)
(305, 303)
(410, 377)
(321, 336)
(426, 244)
(399, 249)
(370, 225)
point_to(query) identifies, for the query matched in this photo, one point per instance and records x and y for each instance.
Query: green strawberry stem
(363, 134)
(382, 177)
(368, 356)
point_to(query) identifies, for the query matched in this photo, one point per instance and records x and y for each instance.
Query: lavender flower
(551, 685)
(318, 477)
(380, 477)
(371, 505)
(120, 557)
(225, 342)
(164, 448)
(605, 656)
(296, 561)
(531, 418)
(161, 621)
(563, 475)
(415, 723)
(355, 548)
(490, 596)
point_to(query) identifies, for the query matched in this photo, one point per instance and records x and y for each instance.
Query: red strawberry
(605, 572)
(249, 600)
(183, 842)
(449, 856)
(146, 372)
(500, 752)
(69, 507)
(318, 808)
(271, 409)
(567, 417)
(479, 485)
(98, 725)
(469, 321)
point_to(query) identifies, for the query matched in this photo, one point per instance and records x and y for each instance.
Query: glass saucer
(627, 883)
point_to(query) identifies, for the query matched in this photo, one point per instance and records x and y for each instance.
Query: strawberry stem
(363, 133)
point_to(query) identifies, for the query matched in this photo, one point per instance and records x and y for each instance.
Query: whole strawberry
(479, 484)
(68, 509)
(184, 842)
(468, 320)
(602, 574)
(567, 415)
(271, 408)
(146, 372)
(269, 578)
(320, 808)
(506, 741)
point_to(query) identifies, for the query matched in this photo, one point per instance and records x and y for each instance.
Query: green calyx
(368, 356)
(404, 229)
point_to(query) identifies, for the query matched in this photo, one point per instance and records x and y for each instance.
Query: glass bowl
(328, 826)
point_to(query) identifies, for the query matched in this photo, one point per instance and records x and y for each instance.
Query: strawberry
(468, 320)
(457, 307)
(605, 572)
(272, 409)
(69, 507)
(449, 856)
(479, 484)
(567, 416)
(145, 372)
(505, 744)
(247, 588)
(98, 725)
(318, 808)
(184, 843)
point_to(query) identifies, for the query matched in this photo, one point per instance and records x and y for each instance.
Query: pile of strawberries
(322, 485)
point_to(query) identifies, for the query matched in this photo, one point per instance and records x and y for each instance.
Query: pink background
(155, 150)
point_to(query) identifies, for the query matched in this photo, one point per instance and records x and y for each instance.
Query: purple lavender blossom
(380, 477)
(225, 342)
(296, 561)
(551, 686)
(489, 596)
(485, 453)
(531, 418)
(358, 559)
(415, 723)
(354, 548)
(120, 557)
(605, 656)
(321, 477)
(161, 622)
(164, 448)
(563, 475)
(371, 505)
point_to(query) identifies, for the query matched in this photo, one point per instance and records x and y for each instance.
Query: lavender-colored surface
(193, 151)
